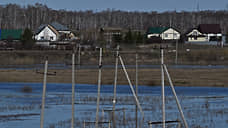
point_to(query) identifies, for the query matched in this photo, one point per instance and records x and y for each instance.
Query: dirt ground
(150, 77)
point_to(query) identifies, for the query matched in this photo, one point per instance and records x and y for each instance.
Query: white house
(165, 33)
(205, 33)
(47, 33)
(53, 32)
(195, 35)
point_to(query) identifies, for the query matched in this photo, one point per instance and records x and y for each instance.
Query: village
(59, 37)
(140, 64)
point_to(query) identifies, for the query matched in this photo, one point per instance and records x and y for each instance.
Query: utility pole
(163, 89)
(136, 89)
(99, 88)
(73, 88)
(115, 84)
(176, 51)
(44, 94)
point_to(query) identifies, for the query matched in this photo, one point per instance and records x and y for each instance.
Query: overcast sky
(128, 5)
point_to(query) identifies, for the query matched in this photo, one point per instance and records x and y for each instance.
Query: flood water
(203, 107)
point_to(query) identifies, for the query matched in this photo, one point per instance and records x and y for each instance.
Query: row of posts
(134, 92)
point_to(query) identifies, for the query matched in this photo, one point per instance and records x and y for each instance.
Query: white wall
(46, 34)
(152, 35)
(170, 34)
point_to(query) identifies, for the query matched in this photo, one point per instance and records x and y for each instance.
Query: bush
(26, 89)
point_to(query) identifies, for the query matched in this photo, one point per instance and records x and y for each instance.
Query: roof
(209, 28)
(156, 30)
(11, 33)
(55, 25)
(40, 28)
(59, 27)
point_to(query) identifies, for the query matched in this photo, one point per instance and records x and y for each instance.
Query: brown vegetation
(151, 77)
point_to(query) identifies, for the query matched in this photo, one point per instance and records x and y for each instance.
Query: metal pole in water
(73, 89)
(99, 87)
(176, 98)
(136, 89)
(44, 94)
(132, 89)
(163, 88)
(115, 84)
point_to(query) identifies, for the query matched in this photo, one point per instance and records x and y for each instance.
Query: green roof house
(14, 34)
(165, 33)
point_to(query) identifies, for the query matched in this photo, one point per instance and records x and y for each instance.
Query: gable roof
(209, 28)
(40, 28)
(53, 25)
(10, 33)
(59, 27)
(156, 30)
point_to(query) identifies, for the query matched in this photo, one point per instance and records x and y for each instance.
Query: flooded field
(204, 107)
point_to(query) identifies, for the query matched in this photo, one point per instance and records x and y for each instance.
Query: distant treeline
(14, 16)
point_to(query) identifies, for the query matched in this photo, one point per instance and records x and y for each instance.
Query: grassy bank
(147, 55)
(150, 77)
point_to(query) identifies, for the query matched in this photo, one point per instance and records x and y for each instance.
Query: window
(42, 37)
(194, 33)
(174, 35)
(51, 38)
(166, 35)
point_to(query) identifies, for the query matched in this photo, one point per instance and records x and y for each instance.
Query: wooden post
(114, 91)
(136, 89)
(79, 56)
(98, 89)
(132, 89)
(84, 124)
(44, 94)
(73, 89)
(176, 52)
(163, 89)
(176, 98)
(124, 117)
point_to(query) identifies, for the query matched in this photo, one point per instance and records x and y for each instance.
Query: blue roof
(56, 25)
(59, 27)
(41, 27)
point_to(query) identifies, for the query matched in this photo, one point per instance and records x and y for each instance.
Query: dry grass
(180, 77)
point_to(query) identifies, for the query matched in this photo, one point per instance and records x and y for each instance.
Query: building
(10, 34)
(164, 33)
(108, 33)
(53, 32)
(205, 33)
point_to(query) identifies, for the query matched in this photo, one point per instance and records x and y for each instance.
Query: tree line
(13, 16)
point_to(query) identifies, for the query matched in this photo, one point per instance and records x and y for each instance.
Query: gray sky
(128, 5)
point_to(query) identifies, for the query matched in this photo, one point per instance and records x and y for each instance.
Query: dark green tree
(139, 38)
(117, 38)
(27, 39)
(129, 37)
